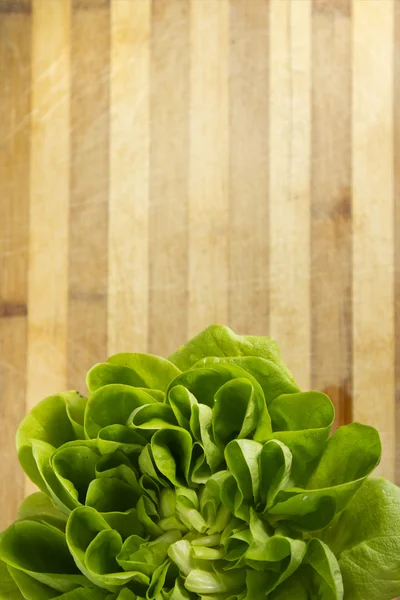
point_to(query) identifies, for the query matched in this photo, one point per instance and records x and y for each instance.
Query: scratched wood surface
(166, 164)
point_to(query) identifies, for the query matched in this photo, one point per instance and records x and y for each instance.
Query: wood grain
(373, 210)
(15, 7)
(209, 164)
(49, 201)
(331, 223)
(332, 7)
(249, 167)
(169, 164)
(397, 231)
(15, 56)
(290, 137)
(129, 177)
(88, 214)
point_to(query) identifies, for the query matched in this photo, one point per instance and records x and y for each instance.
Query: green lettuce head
(207, 476)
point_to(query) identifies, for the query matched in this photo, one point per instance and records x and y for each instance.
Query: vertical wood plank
(49, 198)
(209, 164)
(397, 230)
(373, 243)
(331, 226)
(88, 255)
(15, 54)
(290, 134)
(15, 6)
(248, 220)
(168, 213)
(129, 177)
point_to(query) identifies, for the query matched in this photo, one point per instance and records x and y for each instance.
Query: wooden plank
(129, 177)
(290, 132)
(209, 164)
(92, 4)
(397, 230)
(49, 197)
(88, 254)
(15, 51)
(249, 161)
(331, 7)
(373, 209)
(331, 226)
(15, 6)
(168, 214)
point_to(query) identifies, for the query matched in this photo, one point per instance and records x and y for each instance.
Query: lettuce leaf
(206, 476)
(366, 539)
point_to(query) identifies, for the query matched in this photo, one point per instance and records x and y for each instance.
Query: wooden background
(166, 164)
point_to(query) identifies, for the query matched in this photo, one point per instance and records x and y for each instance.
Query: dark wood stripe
(90, 66)
(83, 296)
(15, 6)
(331, 7)
(397, 229)
(13, 309)
(249, 160)
(169, 166)
(331, 225)
(15, 78)
(90, 4)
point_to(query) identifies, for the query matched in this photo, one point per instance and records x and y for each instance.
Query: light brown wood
(373, 210)
(49, 201)
(88, 215)
(332, 7)
(209, 164)
(166, 164)
(397, 229)
(290, 136)
(331, 224)
(15, 55)
(169, 176)
(249, 167)
(129, 177)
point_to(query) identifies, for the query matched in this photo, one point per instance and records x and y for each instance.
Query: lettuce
(208, 475)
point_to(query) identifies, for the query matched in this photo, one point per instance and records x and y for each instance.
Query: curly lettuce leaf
(30, 588)
(209, 384)
(366, 540)
(275, 471)
(221, 341)
(40, 551)
(302, 421)
(112, 405)
(217, 483)
(172, 449)
(137, 370)
(39, 507)
(323, 571)
(204, 582)
(55, 420)
(94, 546)
(273, 379)
(317, 577)
(350, 455)
(8, 588)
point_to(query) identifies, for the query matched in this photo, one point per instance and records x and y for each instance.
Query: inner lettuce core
(205, 476)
